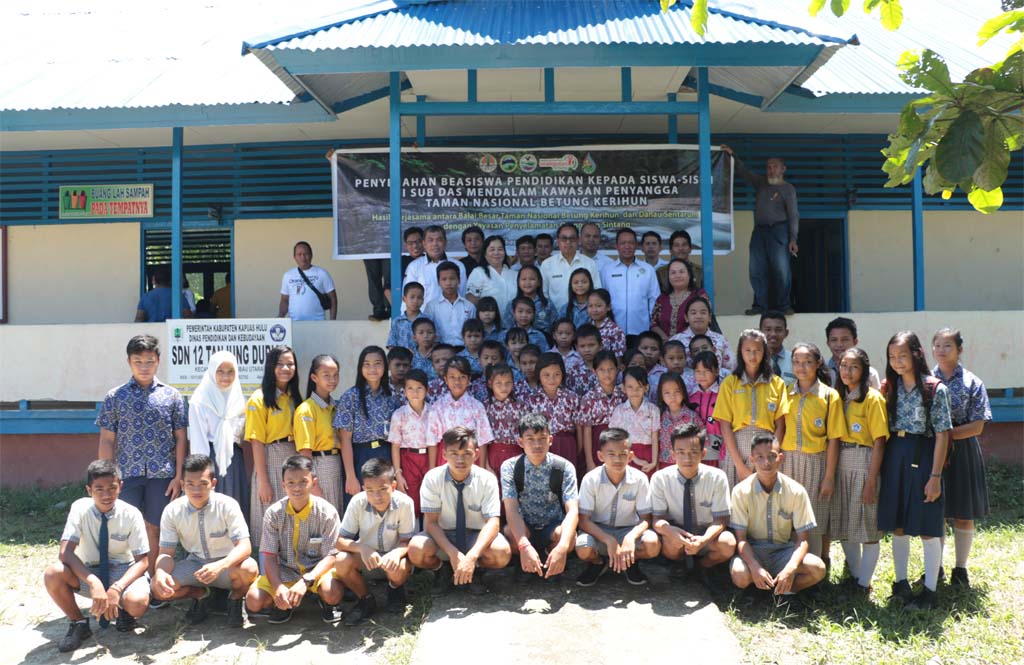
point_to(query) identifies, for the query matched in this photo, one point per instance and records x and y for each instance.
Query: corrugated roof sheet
(534, 22)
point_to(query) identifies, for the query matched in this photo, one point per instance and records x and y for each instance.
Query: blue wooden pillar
(917, 224)
(177, 148)
(707, 229)
(395, 191)
(421, 125)
(673, 122)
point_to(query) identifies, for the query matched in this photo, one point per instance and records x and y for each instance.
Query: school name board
(106, 201)
(193, 341)
(511, 193)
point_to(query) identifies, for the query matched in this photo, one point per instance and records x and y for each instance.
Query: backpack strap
(556, 478)
(519, 474)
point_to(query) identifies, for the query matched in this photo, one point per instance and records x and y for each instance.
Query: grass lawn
(983, 625)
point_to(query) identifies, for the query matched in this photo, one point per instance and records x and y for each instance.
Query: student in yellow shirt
(314, 429)
(752, 400)
(268, 429)
(854, 519)
(814, 425)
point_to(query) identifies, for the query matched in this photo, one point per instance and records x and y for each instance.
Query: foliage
(961, 133)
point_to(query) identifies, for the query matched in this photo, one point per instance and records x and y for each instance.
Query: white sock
(932, 561)
(852, 552)
(867, 564)
(962, 540)
(900, 556)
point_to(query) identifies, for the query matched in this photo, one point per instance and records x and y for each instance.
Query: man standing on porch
(558, 267)
(776, 224)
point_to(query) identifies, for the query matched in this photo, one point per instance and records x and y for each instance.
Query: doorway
(819, 271)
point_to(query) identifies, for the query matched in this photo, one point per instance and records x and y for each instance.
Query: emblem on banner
(528, 163)
(488, 163)
(277, 332)
(508, 163)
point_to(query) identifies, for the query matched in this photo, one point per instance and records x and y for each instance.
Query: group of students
(663, 447)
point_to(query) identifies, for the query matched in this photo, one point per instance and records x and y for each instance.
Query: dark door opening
(206, 260)
(819, 271)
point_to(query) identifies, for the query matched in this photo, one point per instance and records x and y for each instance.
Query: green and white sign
(106, 201)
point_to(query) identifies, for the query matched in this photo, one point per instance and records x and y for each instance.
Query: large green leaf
(1010, 73)
(933, 182)
(815, 7)
(1010, 129)
(839, 7)
(961, 150)
(910, 122)
(926, 69)
(986, 202)
(892, 14)
(991, 173)
(994, 26)
(699, 16)
(869, 5)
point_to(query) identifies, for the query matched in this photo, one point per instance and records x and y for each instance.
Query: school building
(231, 128)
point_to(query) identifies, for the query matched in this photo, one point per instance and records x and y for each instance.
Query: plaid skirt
(276, 453)
(964, 478)
(744, 437)
(808, 469)
(852, 519)
(331, 480)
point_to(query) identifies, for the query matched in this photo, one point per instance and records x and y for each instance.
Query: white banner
(193, 341)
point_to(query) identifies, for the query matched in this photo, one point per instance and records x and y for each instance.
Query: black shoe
(635, 576)
(861, 592)
(443, 581)
(126, 623)
(78, 632)
(199, 610)
(219, 601)
(397, 600)
(347, 596)
(591, 574)
(156, 604)
(279, 616)
(923, 601)
(938, 582)
(234, 611)
(476, 586)
(901, 592)
(753, 311)
(959, 578)
(364, 609)
(329, 614)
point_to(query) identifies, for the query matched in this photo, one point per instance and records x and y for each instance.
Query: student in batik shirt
(458, 407)
(504, 409)
(597, 404)
(580, 377)
(674, 403)
(640, 418)
(413, 450)
(599, 306)
(560, 405)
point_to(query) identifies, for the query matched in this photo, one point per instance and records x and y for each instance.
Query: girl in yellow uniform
(314, 429)
(268, 429)
(751, 400)
(814, 425)
(854, 519)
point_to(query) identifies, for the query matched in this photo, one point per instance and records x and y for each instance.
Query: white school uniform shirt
(611, 505)
(710, 495)
(500, 286)
(633, 289)
(556, 271)
(126, 531)
(209, 532)
(424, 271)
(448, 318)
(381, 531)
(303, 304)
(480, 497)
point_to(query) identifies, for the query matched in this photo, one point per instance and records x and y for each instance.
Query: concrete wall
(84, 362)
(81, 273)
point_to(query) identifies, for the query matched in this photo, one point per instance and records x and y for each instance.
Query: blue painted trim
(471, 86)
(177, 157)
(782, 26)
(727, 93)
(917, 227)
(298, 62)
(1007, 409)
(395, 191)
(549, 84)
(673, 121)
(46, 421)
(626, 80)
(547, 108)
(860, 104)
(162, 116)
(707, 228)
(421, 127)
(367, 97)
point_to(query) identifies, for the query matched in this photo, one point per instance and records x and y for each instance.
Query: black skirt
(232, 481)
(906, 469)
(964, 478)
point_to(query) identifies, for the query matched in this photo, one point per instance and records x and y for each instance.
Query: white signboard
(193, 341)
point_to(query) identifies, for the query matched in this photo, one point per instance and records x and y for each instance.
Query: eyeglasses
(568, 238)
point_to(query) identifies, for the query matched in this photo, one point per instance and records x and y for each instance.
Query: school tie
(104, 546)
(460, 519)
(689, 517)
(775, 366)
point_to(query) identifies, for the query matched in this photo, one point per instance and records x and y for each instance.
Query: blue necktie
(460, 519)
(689, 517)
(104, 547)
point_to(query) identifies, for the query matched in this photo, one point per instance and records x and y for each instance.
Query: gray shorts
(117, 571)
(185, 573)
(773, 556)
(698, 531)
(471, 536)
(618, 532)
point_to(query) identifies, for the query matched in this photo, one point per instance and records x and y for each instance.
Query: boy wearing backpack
(538, 489)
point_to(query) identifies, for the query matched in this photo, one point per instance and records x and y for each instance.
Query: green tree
(961, 133)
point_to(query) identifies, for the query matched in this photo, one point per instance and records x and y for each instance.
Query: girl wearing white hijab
(216, 416)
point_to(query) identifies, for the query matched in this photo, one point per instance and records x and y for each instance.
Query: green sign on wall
(106, 201)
